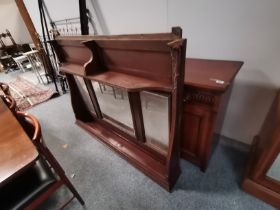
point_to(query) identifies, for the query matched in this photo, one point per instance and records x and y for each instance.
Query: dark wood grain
(118, 79)
(264, 150)
(140, 159)
(202, 73)
(205, 102)
(16, 149)
(134, 63)
(137, 116)
(129, 82)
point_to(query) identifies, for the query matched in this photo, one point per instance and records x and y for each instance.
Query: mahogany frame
(154, 62)
(264, 150)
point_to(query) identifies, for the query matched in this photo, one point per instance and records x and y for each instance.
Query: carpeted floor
(106, 181)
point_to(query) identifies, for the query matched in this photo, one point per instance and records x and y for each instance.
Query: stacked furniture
(127, 90)
(11, 52)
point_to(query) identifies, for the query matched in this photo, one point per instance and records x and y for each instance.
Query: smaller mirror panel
(274, 171)
(84, 92)
(114, 105)
(155, 109)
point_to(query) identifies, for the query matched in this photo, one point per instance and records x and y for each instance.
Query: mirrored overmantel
(124, 86)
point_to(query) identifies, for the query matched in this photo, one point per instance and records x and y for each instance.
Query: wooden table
(207, 91)
(16, 149)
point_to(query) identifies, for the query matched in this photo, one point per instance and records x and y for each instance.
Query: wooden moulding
(104, 59)
(261, 192)
(264, 150)
(153, 62)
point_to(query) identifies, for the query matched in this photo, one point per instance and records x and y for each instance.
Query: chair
(34, 58)
(38, 182)
(103, 86)
(5, 88)
(21, 61)
(10, 102)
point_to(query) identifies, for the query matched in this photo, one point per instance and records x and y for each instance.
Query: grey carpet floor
(106, 181)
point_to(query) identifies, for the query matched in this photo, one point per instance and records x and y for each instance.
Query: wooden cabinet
(199, 121)
(206, 94)
(197, 124)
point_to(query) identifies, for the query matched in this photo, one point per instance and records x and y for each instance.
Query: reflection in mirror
(114, 105)
(155, 109)
(274, 171)
(84, 92)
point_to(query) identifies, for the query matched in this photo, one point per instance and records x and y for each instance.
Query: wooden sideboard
(207, 91)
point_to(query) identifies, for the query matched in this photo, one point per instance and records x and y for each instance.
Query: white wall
(58, 10)
(246, 30)
(124, 16)
(10, 19)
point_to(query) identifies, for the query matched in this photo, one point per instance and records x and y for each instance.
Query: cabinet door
(196, 123)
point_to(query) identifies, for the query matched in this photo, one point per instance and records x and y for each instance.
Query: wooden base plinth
(261, 192)
(137, 157)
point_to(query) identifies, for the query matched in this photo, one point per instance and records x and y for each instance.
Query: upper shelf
(117, 79)
(131, 62)
(130, 82)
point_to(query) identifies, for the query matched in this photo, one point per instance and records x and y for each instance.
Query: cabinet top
(215, 75)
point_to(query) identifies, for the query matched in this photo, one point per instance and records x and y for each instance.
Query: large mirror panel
(114, 105)
(84, 92)
(155, 109)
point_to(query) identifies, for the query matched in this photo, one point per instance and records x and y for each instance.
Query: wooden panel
(154, 36)
(79, 55)
(191, 134)
(196, 121)
(129, 82)
(203, 73)
(149, 64)
(261, 192)
(264, 150)
(134, 44)
(151, 167)
(16, 148)
(137, 116)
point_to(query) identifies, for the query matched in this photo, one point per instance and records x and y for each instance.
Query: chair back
(33, 129)
(10, 102)
(5, 88)
(31, 126)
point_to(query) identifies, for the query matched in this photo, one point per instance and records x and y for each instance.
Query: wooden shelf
(72, 68)
(129, 82)
(120, 80)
